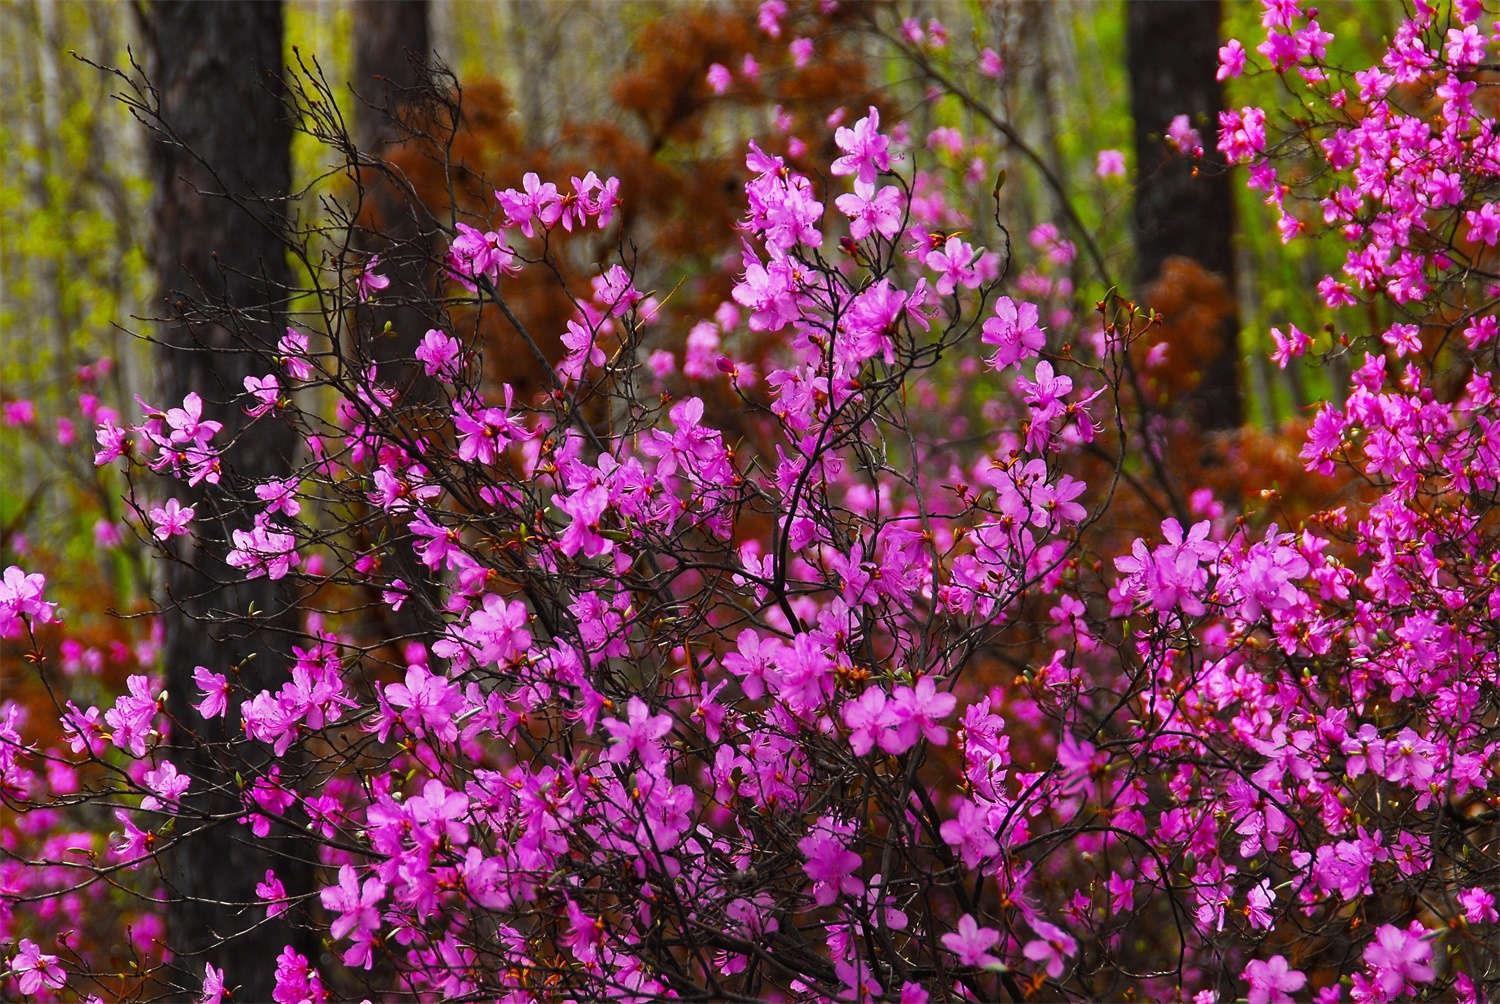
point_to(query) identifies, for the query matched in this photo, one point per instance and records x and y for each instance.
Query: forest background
(631, 89)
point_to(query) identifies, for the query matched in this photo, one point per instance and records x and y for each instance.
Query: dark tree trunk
(221, 165)
(392, 39)
(392, 76)
(1172, 55)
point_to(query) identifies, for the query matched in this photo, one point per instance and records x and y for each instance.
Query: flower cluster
(862, 689)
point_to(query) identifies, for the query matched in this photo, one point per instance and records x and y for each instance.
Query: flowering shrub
(879, 697)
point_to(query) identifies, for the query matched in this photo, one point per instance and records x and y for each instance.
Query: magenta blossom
(971, 943)
(34, 970)
(1272, 981)
(214, 990)
(866, 151)
(171, 519)
(1051, 947)
(1399, 958)
(1014, 332)
(369, 281)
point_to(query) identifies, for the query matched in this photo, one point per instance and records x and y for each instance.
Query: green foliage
(1281, 277)
(73, 267)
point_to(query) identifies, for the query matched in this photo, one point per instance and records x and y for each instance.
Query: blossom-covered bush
(881, 697)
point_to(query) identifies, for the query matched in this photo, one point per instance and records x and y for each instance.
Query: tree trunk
(392, 39)
(392, 46)
(1172, 55)
(391, 75)
(221, 164)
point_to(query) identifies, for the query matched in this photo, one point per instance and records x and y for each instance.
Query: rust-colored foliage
(1193, 303)
(678, 150)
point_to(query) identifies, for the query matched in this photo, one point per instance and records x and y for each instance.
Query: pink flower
(34, 970)
(439, 355)
(265, 390)
(478, 253)
(1183, 137)
(171, 519)
(751, 662)
(131, 718)
(719, 78)
(485, 432)
(1484, 223)
(293, 353)
(830, 863)
(1121, 893)
(18, 413)
(1111, 164)
(1272, 981)
(1405, 339)
(107, 534)
(1289, 346)
(84, 730)
(282, 496)
(769, 17)
(426, 701)
(370, 282)
(971, 943)
(167, 787)
(870, 211)
(274, 892)
(296, 981)
(1479, 906)
(601, 199)
(21, 596)
(866, 151)
(539, 201)
(920, 709)
(1481, 330)
(215, 688)
(583, 348)
(990, 63)
(358, 914)
(1258, 905)
(1465, 47)
(802, 51)
(972, 832)
(1052, 947)
(1231, 60)
(1242, 134)
(639, 734)
(188, 424)
(1171, 573)
(439, 814)
(263, 551)
(954, 264)
(213, 985)
(1045, 392)
(1014, 332)
(134, 842)
(587, 508)
(1398, 958)
(871, 720)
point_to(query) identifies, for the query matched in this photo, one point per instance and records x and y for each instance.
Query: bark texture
(1172, 54)
(392, 75)
(221, 165)
(392, 40)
